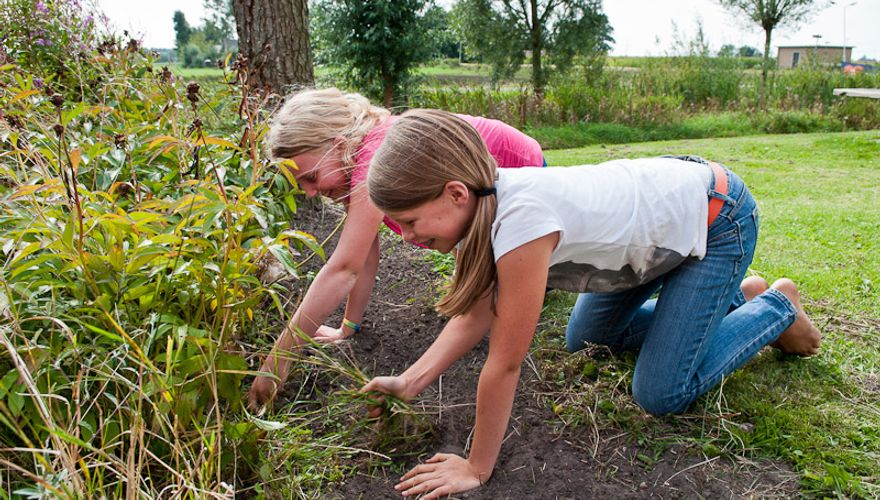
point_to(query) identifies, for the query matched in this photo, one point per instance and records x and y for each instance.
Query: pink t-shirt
(510, 148)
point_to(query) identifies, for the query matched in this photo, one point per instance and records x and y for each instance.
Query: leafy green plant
(376, 45)
(135, 219)
(136, 216)
(62, 42)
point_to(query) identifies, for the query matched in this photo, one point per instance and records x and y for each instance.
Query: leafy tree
(376, 43)
(196, 44)
(182, 31)
(273, 36)
(445, 40)
(219, 24)
(772, 14)
(748, 51)
(193, 56)
(730, 50)
(727, 50)
(200, 51)
(502, 31)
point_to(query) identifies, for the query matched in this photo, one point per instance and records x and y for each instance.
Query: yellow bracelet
(351, 324)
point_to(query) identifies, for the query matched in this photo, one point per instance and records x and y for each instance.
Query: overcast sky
(641, 27)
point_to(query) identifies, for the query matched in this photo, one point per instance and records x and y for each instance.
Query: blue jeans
(700, 328)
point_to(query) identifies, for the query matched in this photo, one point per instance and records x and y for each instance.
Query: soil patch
(537, 460)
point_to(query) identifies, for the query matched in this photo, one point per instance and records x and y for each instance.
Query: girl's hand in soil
(442, 475)
(329, 335)
(265, 386)
(395, 386)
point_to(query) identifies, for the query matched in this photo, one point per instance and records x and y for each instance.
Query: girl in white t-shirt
(618, 232)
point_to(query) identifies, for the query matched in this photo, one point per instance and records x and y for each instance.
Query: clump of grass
(321, 434)
(442, 264)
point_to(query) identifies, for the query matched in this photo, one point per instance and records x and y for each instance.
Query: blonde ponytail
(421, 152)
(310, 120)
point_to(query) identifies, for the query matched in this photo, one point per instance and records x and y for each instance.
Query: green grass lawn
(451, 70)
(454, 69)
(698, 126)
(209, 72)
(820, 226)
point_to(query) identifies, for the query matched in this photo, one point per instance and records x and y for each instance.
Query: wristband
(351, 324)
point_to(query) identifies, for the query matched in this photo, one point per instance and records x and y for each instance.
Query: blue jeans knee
(617, 320)
(660, 401)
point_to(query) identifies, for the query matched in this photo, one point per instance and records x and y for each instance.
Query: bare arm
(522, 278)
(359, 296)
(332, 284)
(459, 336)
(339, 275)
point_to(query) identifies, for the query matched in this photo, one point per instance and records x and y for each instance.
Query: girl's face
(321, 172)
(441, 223)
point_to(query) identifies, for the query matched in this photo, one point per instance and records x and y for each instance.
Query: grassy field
(451, 70)
(210, 72)
(699, 126)
(440, 71)
(819, 226)
(443, 69)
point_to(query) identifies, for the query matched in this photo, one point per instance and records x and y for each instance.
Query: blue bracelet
(351, 324)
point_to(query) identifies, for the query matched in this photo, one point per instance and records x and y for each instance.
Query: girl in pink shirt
(327, 138)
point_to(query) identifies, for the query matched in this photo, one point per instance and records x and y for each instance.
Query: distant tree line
(730, 50)
(376, 45)
(198, 46)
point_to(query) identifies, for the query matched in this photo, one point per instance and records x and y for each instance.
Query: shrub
(57, 41)
(192, 56)
(133, 224)
(795, 122)
(671, 95)
(858, 114)
(701, 81)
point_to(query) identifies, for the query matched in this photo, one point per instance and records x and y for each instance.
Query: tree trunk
(387, 90)
(537, 43)
(765, 66)
(274, 37)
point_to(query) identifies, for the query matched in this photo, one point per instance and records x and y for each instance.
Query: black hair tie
(485, 192)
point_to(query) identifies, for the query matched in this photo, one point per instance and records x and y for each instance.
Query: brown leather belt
(721, 187)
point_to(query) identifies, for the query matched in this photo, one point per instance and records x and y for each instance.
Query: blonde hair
(311, 119)
(422, 151)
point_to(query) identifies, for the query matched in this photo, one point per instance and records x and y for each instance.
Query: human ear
(457, 191)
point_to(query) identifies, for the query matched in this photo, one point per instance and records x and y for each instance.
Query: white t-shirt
(621, 223)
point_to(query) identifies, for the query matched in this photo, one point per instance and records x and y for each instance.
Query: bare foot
(802, 337)
(753, 286)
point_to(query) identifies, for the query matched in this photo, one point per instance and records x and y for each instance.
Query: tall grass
(667, 95)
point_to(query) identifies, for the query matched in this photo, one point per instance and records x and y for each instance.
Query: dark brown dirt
(537, 460)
